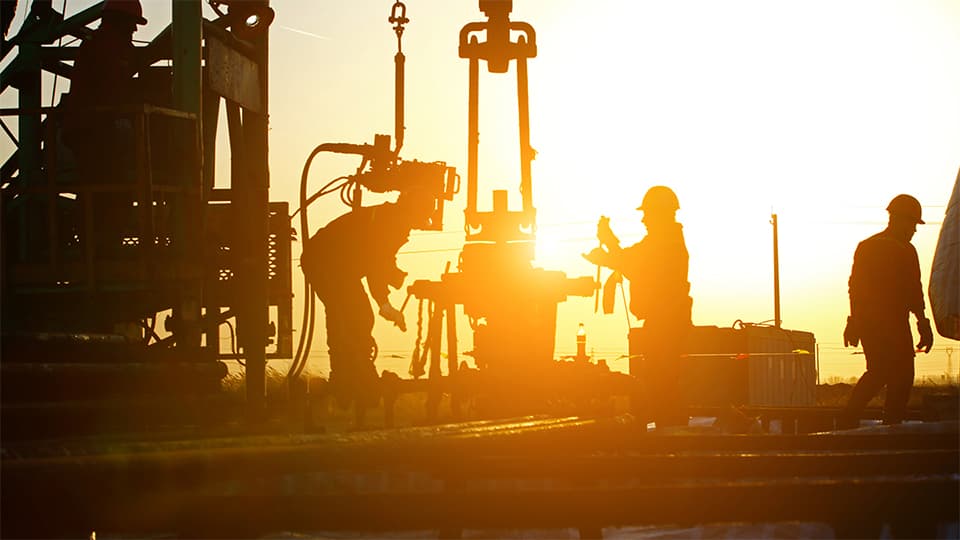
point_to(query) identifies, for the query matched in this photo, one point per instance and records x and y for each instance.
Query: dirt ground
(836, 395)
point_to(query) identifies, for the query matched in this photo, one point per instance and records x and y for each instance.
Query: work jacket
(361, 243)
(657, 269)
(885, 287)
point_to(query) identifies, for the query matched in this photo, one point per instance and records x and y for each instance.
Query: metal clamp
(398, 17)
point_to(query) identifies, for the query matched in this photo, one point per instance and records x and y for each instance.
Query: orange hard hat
(660, 198)
(906, 206)
(129, 8)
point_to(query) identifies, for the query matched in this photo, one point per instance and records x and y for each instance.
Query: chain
(416, 368)
(398, 18)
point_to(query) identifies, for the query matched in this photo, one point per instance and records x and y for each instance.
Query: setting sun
(480, 268)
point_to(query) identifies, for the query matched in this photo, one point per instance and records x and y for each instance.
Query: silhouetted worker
(101, 141)
(884, 289)
(659, 295)
(360, 244)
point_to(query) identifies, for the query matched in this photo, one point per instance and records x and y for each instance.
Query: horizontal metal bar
(430, 448)
(797, 413)
(348, 470)
(81, 188)
(6, 111)
(917, 499)
(119, 110)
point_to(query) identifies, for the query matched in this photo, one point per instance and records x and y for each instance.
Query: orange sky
(817, 111)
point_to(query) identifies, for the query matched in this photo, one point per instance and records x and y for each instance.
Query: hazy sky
(818, 111)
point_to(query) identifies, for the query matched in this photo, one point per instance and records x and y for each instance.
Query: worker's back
(884, 282)
(354, 243)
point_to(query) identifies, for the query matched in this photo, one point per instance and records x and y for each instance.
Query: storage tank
(756, 365)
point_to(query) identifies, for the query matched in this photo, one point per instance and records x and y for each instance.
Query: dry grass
(837, 394)
(299, 411)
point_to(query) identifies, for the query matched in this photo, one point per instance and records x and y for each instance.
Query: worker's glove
(598, 256)
(393, 315)
(926, 335)
(605, 234)
(851, 335)
(396, 278)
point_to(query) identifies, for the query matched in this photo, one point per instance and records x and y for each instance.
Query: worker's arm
(385, 273)
(851, 333)
(609, 253)
(377, 283)
(916, 304)
(380, 279)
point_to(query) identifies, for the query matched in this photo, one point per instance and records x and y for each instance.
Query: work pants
(350, 343)
(660, 396)
(889, 352)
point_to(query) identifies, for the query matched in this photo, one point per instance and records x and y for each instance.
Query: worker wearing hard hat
(362, 243)
(884, 289)
(659, 295)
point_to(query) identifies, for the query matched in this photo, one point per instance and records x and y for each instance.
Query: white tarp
(945, 274)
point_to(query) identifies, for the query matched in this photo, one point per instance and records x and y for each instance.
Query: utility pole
(776, 274)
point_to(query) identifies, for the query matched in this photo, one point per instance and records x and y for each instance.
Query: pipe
(776, 275)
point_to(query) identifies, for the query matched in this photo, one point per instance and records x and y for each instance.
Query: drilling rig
(85, 301)
(511, 305)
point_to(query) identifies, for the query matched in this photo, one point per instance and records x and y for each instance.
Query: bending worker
(362, 243)
(884, 289)
(659, 295)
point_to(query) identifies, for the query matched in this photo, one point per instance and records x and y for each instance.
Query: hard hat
(906, 206)
(130, 8)
(660, 198)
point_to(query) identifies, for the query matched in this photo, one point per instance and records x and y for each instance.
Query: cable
(233, 344)
(309, 312)
(325, 190)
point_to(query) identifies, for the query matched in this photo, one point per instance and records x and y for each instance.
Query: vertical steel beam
(253, 202)
(187, 36)
(29, 125)
(452, 358)
(526, 151)
(473, 136)
(29, 90)
(399, 59)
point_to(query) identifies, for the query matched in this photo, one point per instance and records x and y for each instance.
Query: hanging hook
(398, 17)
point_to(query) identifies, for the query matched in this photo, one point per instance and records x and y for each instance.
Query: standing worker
(884, 289)
(362, 243)
(659, 295)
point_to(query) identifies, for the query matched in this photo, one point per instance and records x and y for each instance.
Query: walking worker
(362, 243)
(659, 295)
(884, 289)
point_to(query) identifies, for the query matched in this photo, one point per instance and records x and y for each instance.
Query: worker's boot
(340, 381)
(368, 385)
